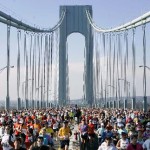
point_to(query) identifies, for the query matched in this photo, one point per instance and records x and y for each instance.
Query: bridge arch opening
(75, 53)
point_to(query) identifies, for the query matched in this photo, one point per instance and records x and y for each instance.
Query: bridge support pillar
(18, 104)
(125, 103)
(118, 104)
(32, 104)
(145, 104)
(7, 105)
(41, 103)
(114, 104)
(26, 104)
(37, 106)
(133, 102)
(107, 105)
(22, 104)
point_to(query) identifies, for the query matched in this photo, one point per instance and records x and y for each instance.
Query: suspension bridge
(111, 59)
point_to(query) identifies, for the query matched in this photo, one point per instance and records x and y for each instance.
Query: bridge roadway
(74, 144)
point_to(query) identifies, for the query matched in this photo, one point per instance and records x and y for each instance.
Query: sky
(45, 13)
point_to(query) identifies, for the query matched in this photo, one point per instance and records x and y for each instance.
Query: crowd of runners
(108, 129)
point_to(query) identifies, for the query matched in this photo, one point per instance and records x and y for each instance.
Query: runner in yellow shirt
(64, 134)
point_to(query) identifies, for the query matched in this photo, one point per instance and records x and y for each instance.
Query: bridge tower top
(76, 19)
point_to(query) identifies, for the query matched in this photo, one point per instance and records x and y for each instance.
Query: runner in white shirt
(107, 145)
(123, 142)
(7, 139)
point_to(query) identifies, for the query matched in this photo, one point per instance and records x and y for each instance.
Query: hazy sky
(45, 13)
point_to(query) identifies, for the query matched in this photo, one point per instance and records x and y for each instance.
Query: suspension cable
(136, 22)
(7, 19)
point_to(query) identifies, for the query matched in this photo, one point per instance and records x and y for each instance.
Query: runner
(64, 134)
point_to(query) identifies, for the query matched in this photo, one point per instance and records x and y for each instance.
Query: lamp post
(145, 67)
(144, 79)
(1, 70)
(7, 102)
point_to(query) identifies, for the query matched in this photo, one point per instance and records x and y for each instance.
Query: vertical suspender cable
(56, 59)
(120, 59)
(105, 63)
(26, 77)
(41, 43)
(45, 54)
(103, 42)
(114, 59)
(30, 54)
(107, 70)
(110, 41)
(144, 61)
(8, 67)
(51, 61)
(125, 63)
(94, 72)
(118, 55)
(126, 55)
(133, 62)
(101, 90)
(97, 67)
(33, 68)
(31, 64)
(35, 71)
(127, 49)
(39, 70)
(144, 73)
(24, 83)
(18, 63)
(48, 70)
(27, 71)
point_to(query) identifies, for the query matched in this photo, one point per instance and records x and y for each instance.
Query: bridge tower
(75, 20)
